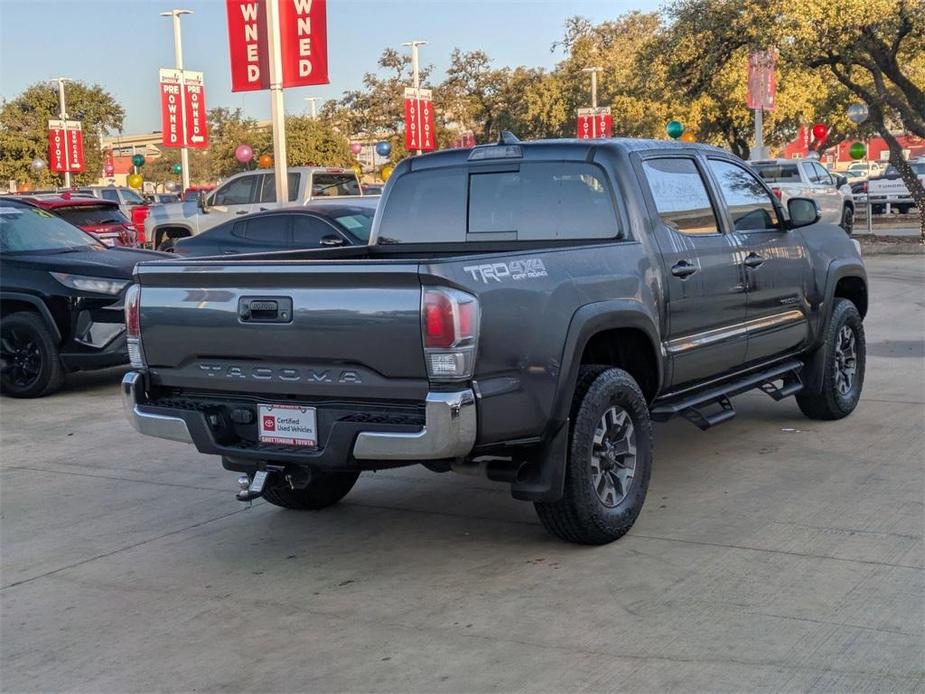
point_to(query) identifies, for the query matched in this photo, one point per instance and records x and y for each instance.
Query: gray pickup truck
(523, 312)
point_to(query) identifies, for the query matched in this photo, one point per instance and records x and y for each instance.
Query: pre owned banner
(303, 43)
(65, 146)
(183, 109)
(420, 122)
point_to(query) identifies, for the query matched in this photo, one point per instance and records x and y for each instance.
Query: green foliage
(314, 142)
(24, 130)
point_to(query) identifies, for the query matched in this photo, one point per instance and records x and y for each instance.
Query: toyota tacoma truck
(524, 311)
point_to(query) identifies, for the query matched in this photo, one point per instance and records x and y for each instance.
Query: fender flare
(586, 322)
(39, 306)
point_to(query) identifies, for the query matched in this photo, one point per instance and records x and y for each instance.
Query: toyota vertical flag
(420, 123)
(762, 80)
(594, 123)
(194, 112)
(303, 43)
(65, 146)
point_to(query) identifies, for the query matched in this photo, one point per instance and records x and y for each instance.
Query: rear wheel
(166, 246)
(30, 366)
(324, 490)
(847, 220)
(609, 460)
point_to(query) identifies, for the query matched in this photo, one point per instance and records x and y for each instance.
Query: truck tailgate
(341, 329)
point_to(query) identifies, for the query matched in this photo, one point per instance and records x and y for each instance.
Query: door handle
(753, 260)
(683, 269)
(242, 212)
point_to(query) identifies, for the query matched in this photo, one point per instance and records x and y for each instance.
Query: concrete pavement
(774, 554)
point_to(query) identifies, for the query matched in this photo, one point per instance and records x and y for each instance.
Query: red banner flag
(75, 146)
(594, 123)
(762, 80)
(247, 42)
(303, 29)
(420, 120)
(171, 108)
(195, 126)
(303, 33)
(65, 146)
(412, 121)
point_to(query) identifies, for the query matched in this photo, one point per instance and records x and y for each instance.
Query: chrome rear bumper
(449, 429)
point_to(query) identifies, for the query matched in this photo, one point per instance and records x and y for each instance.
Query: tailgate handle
(265, 309)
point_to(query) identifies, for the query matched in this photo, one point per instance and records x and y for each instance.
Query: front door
(705, 282)
(236, 196)
(776, 263)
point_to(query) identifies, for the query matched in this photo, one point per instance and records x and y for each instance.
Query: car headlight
(99, 285)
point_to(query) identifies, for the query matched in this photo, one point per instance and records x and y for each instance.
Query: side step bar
(691, 406)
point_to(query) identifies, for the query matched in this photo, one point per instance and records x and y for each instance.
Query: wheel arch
(11, 302)
(170, 231)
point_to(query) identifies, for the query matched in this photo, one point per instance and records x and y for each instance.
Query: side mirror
(803, 212)
(332, 240)
(840, 180)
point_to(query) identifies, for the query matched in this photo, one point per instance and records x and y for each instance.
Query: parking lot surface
(773, 553)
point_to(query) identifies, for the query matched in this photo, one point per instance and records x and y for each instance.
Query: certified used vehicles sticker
(289, 425)
(528, 268)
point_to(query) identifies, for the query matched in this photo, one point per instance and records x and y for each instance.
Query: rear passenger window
(542, 201)
(680, 195)
(749, 203)
(426, 206)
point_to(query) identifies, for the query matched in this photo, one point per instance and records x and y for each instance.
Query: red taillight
(439, 326)
(132, 314)
(778, 193)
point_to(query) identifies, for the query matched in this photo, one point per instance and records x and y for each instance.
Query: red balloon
(820, 130)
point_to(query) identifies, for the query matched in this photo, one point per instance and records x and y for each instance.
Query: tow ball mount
(252, 487)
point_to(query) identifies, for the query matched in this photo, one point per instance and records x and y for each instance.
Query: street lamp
(312, 100)
(593, 71)
(178, 55)
(62, 108)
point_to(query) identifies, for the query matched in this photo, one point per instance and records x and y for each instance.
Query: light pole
(415, 71)
(277, 107)
(312, 100)
(593, 71)
(62, 114)
(178, 55)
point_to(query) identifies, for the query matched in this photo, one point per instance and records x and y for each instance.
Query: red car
(101, 218)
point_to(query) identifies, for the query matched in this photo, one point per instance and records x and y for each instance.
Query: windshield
(132, 198)
(778, 173)
(94, 215)
(25, 228)
(329, 185)
(357, 223)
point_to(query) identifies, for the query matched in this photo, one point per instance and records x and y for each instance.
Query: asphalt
(774, 553)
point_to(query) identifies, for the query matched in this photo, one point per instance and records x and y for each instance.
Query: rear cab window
(509, 201)
(334, 185)
(92, 215)
(778, 173)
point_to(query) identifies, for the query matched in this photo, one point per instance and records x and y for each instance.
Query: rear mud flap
(543, 479)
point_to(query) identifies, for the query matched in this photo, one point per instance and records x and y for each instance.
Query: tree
(228, 128)
(24, 129)
(315, 142)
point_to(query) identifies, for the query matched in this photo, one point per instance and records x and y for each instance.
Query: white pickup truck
(251, 191)
(807, 178)
(889, 189)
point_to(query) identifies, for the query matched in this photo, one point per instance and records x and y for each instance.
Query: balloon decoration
(357, 169)
(674, 129)
(177, 169)
(243, 153)
(857, 150)
(820, 130)
(857, 113)
(264, 161)
(138, 160)
(356, 148)
(688, 137)
(135, 181)
(38, 164)
(383, 149)
(386, 171)
(108, 168)
(172, 186)
(24, 187)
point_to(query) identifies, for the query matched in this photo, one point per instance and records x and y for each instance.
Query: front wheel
(30, 366)
(838, 367)
(609, 460)
(324, 490)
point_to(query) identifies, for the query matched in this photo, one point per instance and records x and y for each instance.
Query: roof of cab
(566, 148)
(61, 201)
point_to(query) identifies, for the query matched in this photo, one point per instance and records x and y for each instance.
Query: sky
(121, 44)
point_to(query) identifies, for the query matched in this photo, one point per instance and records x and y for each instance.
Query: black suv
(61, 295)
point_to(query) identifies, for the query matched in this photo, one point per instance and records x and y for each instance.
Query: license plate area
(287, 425)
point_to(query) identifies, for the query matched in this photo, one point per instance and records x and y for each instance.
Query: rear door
(266, 195)
(706, 291)
(776, 263)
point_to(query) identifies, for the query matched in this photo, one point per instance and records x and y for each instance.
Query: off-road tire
(826, 402)
(580, 516)
(50, 370)
(847, 220)
(323, 491)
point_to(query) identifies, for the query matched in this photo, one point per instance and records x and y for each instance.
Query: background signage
(65, 146)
